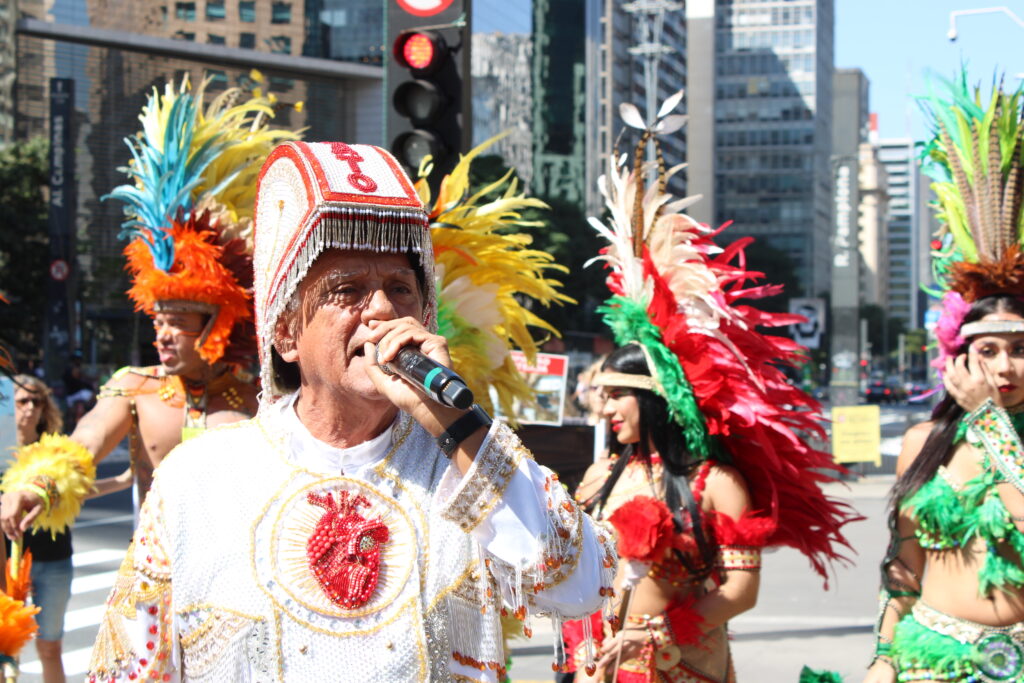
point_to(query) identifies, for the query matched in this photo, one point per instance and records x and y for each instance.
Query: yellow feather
(477, 240)
(247, 126)
(67, 463)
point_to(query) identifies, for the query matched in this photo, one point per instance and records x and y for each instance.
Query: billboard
(809, 332)
(547, 376)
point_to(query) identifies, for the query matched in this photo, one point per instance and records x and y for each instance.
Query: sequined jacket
(254, 561)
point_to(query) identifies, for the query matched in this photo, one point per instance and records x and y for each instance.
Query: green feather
(809, 675)
(918, 647)
(630, 324)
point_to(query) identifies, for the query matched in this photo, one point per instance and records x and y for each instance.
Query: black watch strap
(462, 428)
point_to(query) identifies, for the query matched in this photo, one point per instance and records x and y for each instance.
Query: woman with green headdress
(952, 607)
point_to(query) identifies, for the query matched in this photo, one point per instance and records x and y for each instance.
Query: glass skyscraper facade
(111, 85)
(772, 113)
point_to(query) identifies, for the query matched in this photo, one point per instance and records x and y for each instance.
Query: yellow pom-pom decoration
(62, 471)
(17, 625)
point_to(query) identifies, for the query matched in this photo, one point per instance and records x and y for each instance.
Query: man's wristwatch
(462, 428)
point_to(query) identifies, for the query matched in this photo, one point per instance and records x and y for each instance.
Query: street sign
(857, 434)
(59, 270)
(808, 333)
(424, 8)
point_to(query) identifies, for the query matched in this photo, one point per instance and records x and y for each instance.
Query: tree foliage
(24, 242)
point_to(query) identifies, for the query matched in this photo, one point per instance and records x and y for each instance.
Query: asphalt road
(796, 621)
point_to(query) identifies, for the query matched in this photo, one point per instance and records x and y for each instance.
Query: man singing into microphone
(356, 529)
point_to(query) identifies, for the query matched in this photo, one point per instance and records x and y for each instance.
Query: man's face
(176, 337)
(341, 294)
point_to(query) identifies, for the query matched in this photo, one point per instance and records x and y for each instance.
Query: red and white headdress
(329, 195)
(684, 301)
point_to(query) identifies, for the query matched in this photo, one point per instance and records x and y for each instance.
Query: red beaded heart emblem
(344, 548)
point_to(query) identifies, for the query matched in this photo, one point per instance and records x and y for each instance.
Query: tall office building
(559, 100)
(615, 75)
(502, 80)
(908, 225)
(132, 46)
(767, 106)
(873, 184)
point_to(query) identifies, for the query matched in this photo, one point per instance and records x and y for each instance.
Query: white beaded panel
(373, 165)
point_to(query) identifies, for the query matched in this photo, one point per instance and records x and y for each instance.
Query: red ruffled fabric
(762, 421)
(644, 529)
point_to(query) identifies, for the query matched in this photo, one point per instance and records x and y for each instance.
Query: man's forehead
(336, 263)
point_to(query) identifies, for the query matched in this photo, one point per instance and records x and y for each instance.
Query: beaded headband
(992, 327)
(622, 379)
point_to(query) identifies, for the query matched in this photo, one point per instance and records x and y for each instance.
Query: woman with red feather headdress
(714, 458)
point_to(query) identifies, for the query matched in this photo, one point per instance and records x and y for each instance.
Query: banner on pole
(857, 434)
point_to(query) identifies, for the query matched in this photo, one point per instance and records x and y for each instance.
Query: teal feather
(165, 173)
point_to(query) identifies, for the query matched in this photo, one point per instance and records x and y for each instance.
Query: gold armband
(743, 557)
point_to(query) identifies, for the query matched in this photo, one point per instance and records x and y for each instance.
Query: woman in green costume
(952, 602)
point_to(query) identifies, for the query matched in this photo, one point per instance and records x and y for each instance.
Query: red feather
(762, 421)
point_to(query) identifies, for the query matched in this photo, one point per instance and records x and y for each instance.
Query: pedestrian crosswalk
(95, 571)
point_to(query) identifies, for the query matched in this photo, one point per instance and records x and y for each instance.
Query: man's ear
(284, 337)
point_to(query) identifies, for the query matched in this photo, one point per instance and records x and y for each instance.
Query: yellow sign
(857, 434)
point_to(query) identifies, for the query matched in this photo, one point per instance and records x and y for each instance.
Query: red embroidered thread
(344, 548)
(359, 180)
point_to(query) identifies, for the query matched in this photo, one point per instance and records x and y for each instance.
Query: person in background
(36, 413)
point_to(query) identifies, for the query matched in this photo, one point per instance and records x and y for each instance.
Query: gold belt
(963, 630)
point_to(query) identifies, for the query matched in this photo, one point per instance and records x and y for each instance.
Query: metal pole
(650, 15)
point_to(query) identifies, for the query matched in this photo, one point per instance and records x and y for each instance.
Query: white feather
(631, 116)
(671, 103)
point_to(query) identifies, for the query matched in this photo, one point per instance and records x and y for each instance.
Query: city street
(796, 622)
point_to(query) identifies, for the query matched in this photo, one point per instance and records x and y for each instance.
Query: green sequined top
(950, 516)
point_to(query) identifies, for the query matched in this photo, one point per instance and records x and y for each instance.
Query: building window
(247, 11)
(281, 45)
(213, 39)
(185, 11)
(278, 84)
(214, 10)
(247, 40)
(281, 13)
(185, 35)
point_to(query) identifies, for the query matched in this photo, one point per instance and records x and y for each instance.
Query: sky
(897, 42)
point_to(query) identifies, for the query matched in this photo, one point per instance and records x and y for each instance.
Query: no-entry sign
(424, 8)
(59, 270)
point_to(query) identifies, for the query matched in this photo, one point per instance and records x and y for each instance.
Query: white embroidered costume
(218, 586)
(263, 554)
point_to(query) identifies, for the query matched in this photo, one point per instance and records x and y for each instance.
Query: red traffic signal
(421, 51)
(863, 363)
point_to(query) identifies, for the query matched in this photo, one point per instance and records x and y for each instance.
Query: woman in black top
(36, 413)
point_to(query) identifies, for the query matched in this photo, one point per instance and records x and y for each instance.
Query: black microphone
(440, 383)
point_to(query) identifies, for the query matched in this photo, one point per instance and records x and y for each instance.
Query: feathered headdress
(481, 267)
(975, 161)
(190, 209)
(678, 295)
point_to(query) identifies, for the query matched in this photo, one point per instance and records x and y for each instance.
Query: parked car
(878, 391)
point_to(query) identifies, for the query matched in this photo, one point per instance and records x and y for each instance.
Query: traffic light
(428, 85)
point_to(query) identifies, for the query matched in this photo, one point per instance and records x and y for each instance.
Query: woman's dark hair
(656, 430)
(939, 446)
